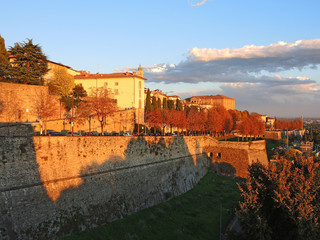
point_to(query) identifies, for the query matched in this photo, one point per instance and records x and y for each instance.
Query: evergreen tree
(170, 104)
(3, 57)
(79, 92)
(29, 65)
(179, 106)
(154, 103)
(148, 101)
(159, 103)
(164, 103)
(3, 53)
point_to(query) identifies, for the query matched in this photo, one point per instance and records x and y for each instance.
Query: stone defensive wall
(52, 186)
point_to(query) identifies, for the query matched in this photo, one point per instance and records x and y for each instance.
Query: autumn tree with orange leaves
(288, 125)
(181, 120)
(281, 201)
(251, 126)
(154, 118)
(101, 105)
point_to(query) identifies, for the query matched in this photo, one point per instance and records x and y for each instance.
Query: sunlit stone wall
(51, 186)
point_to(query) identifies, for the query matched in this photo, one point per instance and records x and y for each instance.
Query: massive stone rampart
(51, 186)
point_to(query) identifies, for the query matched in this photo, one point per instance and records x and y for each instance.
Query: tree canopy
(4, 59)
(148, 102)
(100, 104)
(29, 64)
(281, 201)
(61, 83)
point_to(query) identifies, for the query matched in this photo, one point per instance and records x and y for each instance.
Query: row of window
(117, 84)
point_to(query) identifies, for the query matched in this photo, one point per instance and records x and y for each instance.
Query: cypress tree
(159, 103)
(154, 103)
(164, 103)
(179, 105)
(148, 101)
(4, 59)
(170, 104)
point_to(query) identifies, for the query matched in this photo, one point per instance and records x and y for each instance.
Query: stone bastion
(52, 186)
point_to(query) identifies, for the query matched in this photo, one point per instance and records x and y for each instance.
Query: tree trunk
(101, 124)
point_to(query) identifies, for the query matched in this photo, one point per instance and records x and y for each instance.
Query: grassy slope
(194, 215)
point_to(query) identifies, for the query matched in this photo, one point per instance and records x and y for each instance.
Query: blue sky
(249, 50)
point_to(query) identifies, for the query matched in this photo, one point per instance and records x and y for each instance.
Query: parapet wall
(51, 186)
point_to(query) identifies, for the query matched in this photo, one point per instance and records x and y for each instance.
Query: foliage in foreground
(281, 201)
(194, 215)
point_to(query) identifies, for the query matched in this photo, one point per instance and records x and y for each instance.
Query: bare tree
(101, 104)
(45, 106)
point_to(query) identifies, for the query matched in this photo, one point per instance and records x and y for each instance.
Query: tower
(140, 71)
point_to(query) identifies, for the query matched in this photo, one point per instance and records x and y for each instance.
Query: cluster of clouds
(251, 74)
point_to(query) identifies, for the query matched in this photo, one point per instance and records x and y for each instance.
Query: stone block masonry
(52, 186)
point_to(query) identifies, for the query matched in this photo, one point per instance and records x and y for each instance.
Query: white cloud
(251, 74)
(197, 4)
(280, 49)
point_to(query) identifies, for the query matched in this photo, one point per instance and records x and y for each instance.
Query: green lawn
(194, 215)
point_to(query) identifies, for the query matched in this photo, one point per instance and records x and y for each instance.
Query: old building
(53, 66)
(126, 87)
(211, 101)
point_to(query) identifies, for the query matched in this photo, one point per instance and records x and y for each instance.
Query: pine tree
(29, 65)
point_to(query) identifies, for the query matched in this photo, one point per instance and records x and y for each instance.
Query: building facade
(127, 88)
(53, 66)
(211, 101)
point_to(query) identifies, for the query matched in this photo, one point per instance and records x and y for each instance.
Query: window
(139, 84)
(140, 93)
(116, 83)
(106, 84)
(116, 92)
(140, 105)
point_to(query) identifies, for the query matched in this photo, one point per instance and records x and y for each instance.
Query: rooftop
(85, 75)
(219, 96)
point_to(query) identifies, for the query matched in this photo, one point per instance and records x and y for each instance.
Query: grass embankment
(271, 144)
(193, 215)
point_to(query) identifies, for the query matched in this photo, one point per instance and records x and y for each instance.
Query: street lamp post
(72, 116)
(27, 110)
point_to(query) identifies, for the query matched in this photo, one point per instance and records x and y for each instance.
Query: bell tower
(140, 71)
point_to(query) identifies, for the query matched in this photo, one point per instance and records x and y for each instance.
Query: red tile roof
(110, 75)
(219, 96)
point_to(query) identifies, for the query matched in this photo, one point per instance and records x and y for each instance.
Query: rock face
(51, 186)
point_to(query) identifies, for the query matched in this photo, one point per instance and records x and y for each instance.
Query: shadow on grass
(193, 215)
